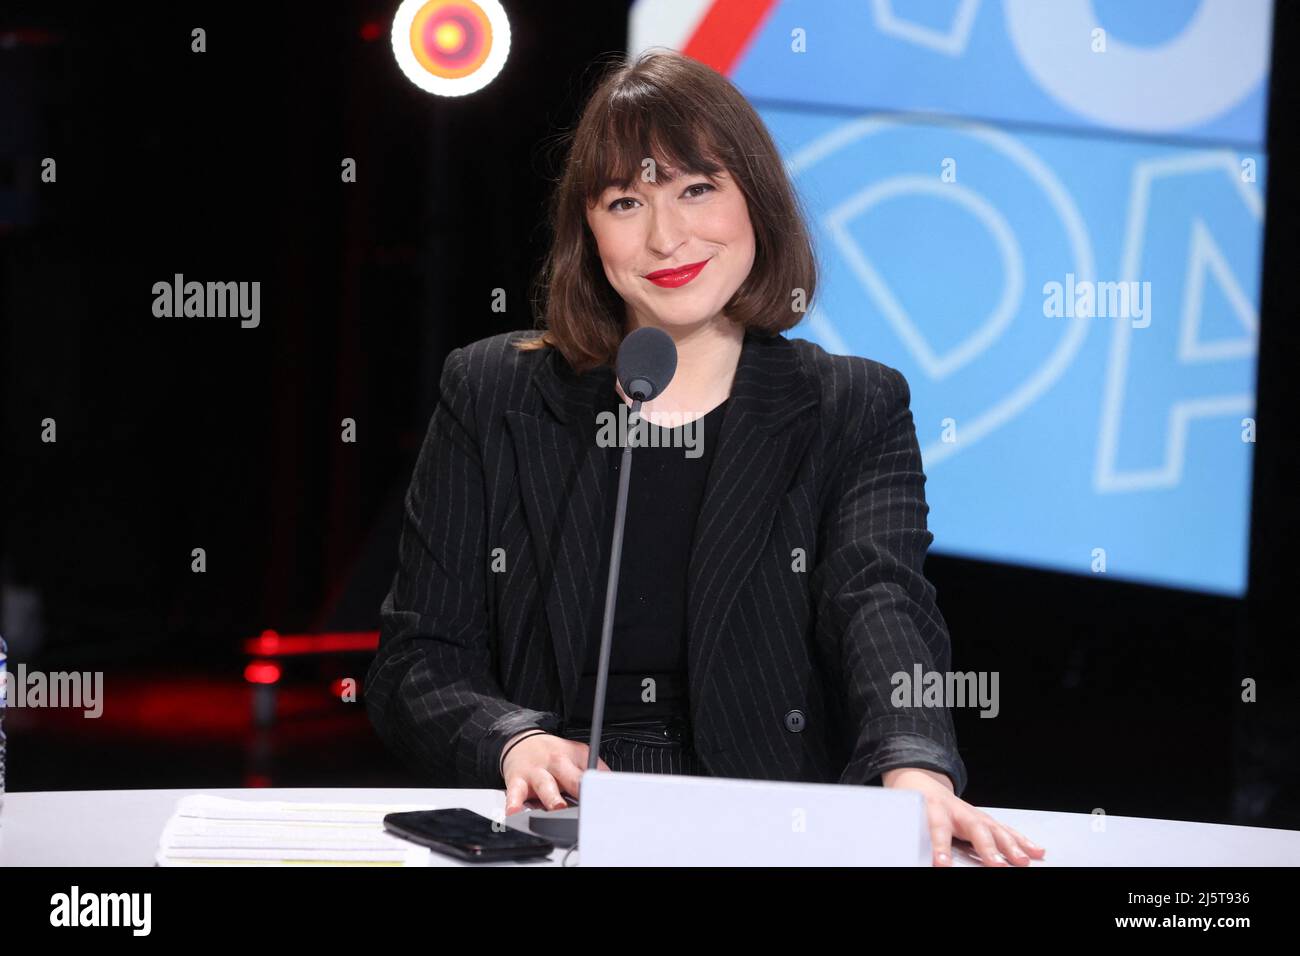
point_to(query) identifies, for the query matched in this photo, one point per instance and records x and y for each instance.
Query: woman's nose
(666, 233)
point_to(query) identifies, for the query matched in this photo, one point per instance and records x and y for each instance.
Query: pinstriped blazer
(805, 589)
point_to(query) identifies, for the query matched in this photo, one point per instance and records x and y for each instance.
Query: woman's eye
(616, 206)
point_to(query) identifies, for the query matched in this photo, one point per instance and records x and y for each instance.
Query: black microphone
(646, 363)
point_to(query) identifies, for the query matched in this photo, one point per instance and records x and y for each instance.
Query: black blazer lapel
(765, 434)
(563, 476)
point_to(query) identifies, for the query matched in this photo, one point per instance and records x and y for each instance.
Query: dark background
(182, 433)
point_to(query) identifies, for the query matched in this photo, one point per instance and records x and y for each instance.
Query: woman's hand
(539, 766)
(950, 816)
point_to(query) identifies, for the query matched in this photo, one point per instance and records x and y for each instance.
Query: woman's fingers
(949, 817)
(543, 770)
(1027, 845)
(517, 791)
(1009, 845)
(940, 835)
(566, 773)
(548, 792)
(1009, 848)
(940, 821)
(981, 837)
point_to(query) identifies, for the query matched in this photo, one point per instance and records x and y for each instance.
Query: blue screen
(1049, 217)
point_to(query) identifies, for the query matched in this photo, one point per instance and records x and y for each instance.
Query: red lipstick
(672, 278)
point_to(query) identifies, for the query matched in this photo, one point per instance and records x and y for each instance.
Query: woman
(771, 584)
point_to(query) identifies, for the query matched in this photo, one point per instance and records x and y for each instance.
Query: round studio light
(451, 47)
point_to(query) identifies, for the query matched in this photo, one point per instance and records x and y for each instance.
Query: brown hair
(688, 118)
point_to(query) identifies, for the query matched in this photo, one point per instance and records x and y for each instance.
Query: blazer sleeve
(872, 591)
(432, 692)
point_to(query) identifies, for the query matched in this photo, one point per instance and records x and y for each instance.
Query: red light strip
(726, 30)
(274, 644)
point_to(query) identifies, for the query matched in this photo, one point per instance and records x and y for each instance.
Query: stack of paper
(211, 831)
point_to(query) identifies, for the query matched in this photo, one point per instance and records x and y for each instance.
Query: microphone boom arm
(611, 595)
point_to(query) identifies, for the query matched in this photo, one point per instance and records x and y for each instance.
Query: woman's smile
(673, 278)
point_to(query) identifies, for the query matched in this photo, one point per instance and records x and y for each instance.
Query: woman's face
(652, 227)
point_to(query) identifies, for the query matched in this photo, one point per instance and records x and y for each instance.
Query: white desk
(121, 828)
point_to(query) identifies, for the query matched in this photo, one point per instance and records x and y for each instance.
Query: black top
(669, 470)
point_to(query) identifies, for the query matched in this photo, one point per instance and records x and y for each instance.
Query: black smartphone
(466, 835)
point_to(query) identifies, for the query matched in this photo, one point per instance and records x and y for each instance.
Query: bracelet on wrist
(518, 740)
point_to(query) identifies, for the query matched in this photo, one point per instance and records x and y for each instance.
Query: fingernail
(944, 859)
(999, 857)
